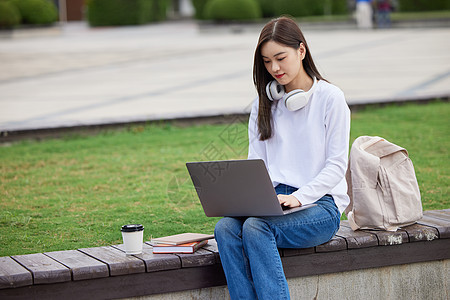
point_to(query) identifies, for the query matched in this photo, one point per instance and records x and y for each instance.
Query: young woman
(303, 138)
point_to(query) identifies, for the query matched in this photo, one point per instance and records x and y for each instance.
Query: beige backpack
(382, 185)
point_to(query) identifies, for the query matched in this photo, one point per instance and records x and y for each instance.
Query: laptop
(236, 188)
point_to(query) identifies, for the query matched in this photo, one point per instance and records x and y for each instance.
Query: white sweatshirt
(309, 147)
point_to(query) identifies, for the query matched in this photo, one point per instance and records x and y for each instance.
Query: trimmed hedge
(230, 10)
(36, 11)
(268, 8)
(199, 6)
(306, 8)
(125, 12)
(236, 9)
(339, 7)
(9, 15)
(423, 5)
(224, 10)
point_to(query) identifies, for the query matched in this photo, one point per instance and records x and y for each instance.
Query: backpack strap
(351, 221)
(381, 148)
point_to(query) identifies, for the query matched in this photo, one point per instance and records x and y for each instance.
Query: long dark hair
(284, 31)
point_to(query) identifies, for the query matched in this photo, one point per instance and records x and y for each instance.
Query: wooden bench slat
(81, 265)
(417, 232)
(43, 268)
(337, 243)
(357, 239)
(389, 238)
(117, 261)
(385, 238)
(201, 257)
(212, 246)
(438, 219)
(442, 226)
(155, 262)
(438, 214)
(12, 274)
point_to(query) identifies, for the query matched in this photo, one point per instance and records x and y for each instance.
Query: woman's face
(282, 62)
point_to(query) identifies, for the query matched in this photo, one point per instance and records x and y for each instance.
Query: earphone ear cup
(296, 100)
(274, 90)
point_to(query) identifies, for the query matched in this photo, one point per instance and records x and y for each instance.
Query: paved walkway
(82, 76)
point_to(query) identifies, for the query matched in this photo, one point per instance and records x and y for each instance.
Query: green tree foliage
(125, 12)
(311, 7)
(268, 7)
(36, 11)
(234, 10)
(9, 15)
(199, 6)
(423, 5)
(221, 10)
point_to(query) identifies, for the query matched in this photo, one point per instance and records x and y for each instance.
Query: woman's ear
(302, 51)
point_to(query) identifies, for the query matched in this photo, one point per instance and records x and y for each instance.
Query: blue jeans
(248, 247)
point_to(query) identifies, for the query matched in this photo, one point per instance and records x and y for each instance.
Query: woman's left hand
(288, 200)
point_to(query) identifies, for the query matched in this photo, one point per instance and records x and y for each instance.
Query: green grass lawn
(77, 192)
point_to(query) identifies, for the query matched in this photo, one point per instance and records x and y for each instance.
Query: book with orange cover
(182, 248)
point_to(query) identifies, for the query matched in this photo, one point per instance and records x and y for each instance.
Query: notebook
(182, 238)
(237, 188)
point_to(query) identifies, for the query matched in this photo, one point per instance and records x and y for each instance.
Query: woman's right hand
(288, 201)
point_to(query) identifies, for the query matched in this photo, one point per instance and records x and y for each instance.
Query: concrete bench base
(429, 280)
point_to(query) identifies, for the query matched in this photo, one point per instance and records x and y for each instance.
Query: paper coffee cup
(133, 238)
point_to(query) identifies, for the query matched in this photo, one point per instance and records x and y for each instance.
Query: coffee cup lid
(132, 227)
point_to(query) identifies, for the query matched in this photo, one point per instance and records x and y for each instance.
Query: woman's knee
(256, 232)
(227, 227)
(255, 227)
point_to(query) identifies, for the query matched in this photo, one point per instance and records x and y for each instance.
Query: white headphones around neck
(294, 100)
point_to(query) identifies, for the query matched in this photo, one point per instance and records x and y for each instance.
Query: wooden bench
(106, 272)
